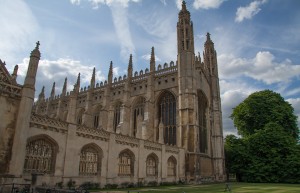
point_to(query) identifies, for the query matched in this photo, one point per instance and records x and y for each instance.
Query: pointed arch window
(40, 156)
(151, 166)
(117, 116)
(138, 111)
(90, 161)
(96, 117)
(167, 114)
(202, 117)
(171, 166)
(79, 117)
(126, 164)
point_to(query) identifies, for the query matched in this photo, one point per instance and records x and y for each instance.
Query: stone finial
(152, 58)
(183, 6)
(93, 79)
(36, 52)
(42, 94)
(110, 73)
(53, 91)
(64, 90)
(77, 84)
(15, 73)
(130, 62)
(37, 45)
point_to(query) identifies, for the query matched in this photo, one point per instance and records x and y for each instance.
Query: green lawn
(211, 188)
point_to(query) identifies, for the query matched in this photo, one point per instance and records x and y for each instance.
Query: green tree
(236, 156)
(270, 150)
(263, 107)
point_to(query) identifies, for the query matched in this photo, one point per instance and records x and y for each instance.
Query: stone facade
(161, 124)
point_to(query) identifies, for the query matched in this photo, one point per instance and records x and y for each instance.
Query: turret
(185, 34)
(32, 67)
(210, 56)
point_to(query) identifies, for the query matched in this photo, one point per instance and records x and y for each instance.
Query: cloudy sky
(257, 41)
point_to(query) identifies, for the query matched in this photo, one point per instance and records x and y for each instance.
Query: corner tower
(186, 80)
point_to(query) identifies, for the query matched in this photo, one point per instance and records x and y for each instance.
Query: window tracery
(126, 164)
(151, 166)
(167, 114)
(202, 117)
(89, 162)
(40, 157)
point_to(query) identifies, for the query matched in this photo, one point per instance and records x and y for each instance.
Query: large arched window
(171, 166)
(117, 115)
(138, 110)
(90, 161)
(40, 155)
(151, 165)
(167, 114)
(126, 163)
(202, 117)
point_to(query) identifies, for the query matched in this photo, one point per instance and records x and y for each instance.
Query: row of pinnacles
(160, 71)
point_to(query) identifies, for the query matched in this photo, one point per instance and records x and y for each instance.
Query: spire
(15, 73)
(77, 84)
(64, 90)
(110, 73)
(130, 68)
(42, 94)
(93, 79)
(53, 91)
(152, 60)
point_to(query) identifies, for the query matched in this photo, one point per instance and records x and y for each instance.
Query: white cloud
(75, 2)
(249, 11)
(178, 4)
(58, 70)
(207, 4)
(262, 68)
(119, 10)
(232, 93)
(160, 25)
(18, 29)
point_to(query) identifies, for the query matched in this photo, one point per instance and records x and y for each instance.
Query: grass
(211, 188)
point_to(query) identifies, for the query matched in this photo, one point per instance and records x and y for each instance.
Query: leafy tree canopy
(261, 108)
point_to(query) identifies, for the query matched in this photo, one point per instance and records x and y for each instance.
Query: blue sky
(257, 41)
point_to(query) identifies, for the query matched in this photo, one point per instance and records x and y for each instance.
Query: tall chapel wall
(8, 113)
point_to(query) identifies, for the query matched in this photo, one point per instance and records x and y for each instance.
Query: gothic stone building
(162, 124)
